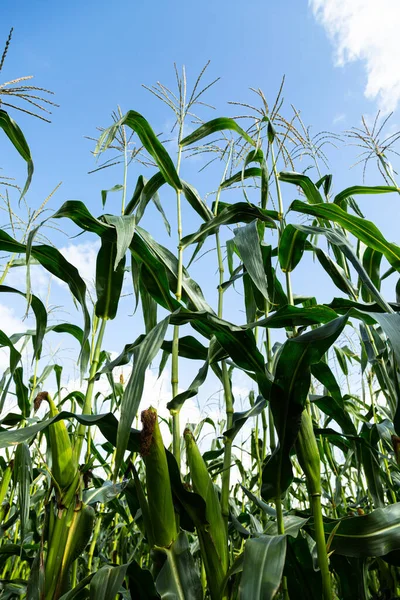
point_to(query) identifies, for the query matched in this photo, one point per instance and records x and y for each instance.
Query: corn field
(295, 493)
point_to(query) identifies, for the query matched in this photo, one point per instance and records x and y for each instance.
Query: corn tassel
(213, 537)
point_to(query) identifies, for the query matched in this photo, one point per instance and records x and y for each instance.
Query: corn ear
(159, 494)
(213, 538)
(59, 523)
(308, 454)
(69, 534)
(64, 466)
(5, 481)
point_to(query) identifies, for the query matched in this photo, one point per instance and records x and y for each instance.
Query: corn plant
(295, 492)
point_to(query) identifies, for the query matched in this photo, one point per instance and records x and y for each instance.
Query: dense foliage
(307, 507)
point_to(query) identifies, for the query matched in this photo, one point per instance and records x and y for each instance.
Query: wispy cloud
(366, 30)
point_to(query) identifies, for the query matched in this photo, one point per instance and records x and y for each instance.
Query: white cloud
(339, 118)
(366, 30)
(83, 257)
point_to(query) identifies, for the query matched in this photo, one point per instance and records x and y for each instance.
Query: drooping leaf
(150, 141)
(23, 476)
(106, 583)
(240, 418)
(240, 212)
(373, 534)
(54, 262)
(264, 560)
(362, 189)
(302, 579)
(108, 279)
(104, 193)
(291, 248)
(288, 396)
(40, 313)
(248, 243)
(213, 126)
(310, 190)
(144, 354)
(15, 135)
(241, 176)
(366, 231)
(178, 578)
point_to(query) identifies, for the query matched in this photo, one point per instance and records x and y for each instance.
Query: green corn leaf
(15, 135)
(336, 410)
(152, 273)
(191, 291)
(76, 211)
(344, 305)
(240, 418)
(371, 463)
(291, 248)
(335, 272)
(107, 582)
(364, 230)
(241, 212)
(371, 261)
(141, 583)
(104, 193)
(390, 324)
(336, 238)
(40, 313)
(178, 578)
(124, 228)
(78, 591)
(22, 392)
(134, 201)
(326, 182)
(302, 579)
(342, 360)
(149, 307)
(144, 354)
(219, 124)
(15, 357)
(374, 534)
(239, 343)
(264, 560)
(177, 402)
(257, 155)
(310, 190)
(352, 577)
(150, 141)
(107, 424)
(288, 396)
(241, 176)
(248, 243)
(362, 189)
(54, 262)
(290, 316)
(109, 280)
(23, 476)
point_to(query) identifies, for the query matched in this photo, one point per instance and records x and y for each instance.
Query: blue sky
(95, 55)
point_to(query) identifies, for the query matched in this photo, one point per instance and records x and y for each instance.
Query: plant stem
(176, 433)
(321, 546)
(125, 166)
(87, 408)
(228, 445)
